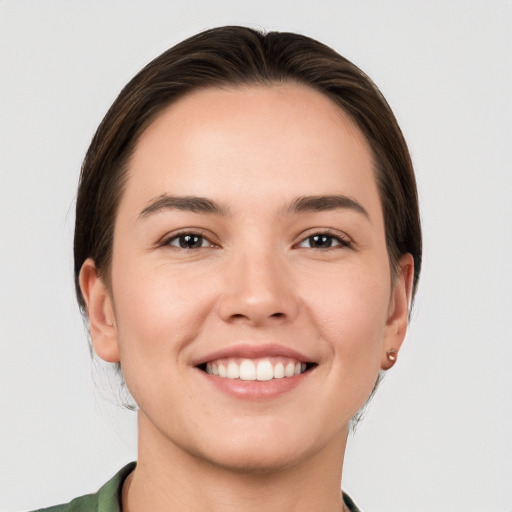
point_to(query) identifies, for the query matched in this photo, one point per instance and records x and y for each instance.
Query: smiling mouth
(260, 369)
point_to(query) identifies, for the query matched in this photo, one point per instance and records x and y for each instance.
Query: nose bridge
(258, 287)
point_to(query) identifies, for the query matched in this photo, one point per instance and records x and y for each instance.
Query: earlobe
(100, 311)
(398, 313)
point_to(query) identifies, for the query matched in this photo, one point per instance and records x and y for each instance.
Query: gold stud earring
(392, 355)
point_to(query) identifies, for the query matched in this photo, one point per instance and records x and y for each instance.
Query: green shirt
(108, 498)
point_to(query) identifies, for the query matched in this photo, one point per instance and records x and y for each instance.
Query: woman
(247, 247)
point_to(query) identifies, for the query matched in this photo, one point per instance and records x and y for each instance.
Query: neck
(169, 478)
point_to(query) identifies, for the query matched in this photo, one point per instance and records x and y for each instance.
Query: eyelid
(344, 239)
(207, 235)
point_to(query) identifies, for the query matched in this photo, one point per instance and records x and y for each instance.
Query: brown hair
(231, 56)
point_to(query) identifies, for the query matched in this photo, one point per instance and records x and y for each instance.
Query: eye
(323, 241)
(189, 241)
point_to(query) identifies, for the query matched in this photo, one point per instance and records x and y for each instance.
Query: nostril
(273, 315)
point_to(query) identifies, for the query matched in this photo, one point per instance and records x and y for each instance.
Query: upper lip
(248, 351)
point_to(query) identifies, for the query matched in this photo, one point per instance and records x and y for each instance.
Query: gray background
(438, 436)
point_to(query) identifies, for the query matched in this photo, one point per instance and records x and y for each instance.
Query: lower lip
(256, 389)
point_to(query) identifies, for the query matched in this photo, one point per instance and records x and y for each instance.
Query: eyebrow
(207, 206)
(185, 203)
(326, 203)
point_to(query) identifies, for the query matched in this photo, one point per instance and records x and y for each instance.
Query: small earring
(392, 355)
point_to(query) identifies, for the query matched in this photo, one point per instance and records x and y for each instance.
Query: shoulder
(89, 502)
(107, 499)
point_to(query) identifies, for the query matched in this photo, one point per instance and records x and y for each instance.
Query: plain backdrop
(438, 435)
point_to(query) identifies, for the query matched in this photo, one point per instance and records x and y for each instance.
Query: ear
(398, 312)
(100, 310)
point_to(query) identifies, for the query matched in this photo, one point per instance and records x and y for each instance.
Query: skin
(256, 279)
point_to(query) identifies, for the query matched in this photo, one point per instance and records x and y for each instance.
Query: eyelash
(327, 236)
(341, 240)
(176, 238)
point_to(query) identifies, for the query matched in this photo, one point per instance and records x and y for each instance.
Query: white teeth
(289, 370)
(233, 370)
(279, 371)
(264, 371)
(255, 369)
(247, 370)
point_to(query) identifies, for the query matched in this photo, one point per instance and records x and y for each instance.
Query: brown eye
(189, 241)
(323, 241)
(320, 241)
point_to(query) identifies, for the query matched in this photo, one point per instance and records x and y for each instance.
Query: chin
(258, 451)
(253, 461)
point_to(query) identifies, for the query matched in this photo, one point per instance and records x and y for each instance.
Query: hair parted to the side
(230, 57)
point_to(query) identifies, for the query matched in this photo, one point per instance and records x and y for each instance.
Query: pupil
(321, 241)
(190, 241)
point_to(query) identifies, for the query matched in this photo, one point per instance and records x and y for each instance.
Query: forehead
(248, 141)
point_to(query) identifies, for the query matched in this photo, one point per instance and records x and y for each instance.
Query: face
(251, 303)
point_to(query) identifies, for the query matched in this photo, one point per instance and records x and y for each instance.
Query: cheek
(350, 310)
(158, 309)
(158, 313)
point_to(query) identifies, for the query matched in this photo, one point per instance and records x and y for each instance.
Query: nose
(258, 290)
